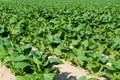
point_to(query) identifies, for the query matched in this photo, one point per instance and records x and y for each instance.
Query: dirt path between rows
(5, 73)
(70, 72)
(67, 71)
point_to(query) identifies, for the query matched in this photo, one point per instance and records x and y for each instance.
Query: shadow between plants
(64, 76)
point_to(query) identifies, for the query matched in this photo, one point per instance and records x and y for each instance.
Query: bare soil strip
(5, 73)
(68, 71)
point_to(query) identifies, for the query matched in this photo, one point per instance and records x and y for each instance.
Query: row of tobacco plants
(87, 35)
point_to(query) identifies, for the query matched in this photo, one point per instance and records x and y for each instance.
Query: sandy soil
(67, 71)
(5, 73)
(70, 72)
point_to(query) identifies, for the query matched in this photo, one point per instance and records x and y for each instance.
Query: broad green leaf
(46, 70)
(93, 79)
(117, 64)
(44, 57)
(30, 76)
(104, 60)
(55, 61)
(36, 53)
(118, 76)
(1, 29)
(6, 59)
(109, 75)
(75, 42)
(3, 52)
(85, 43)
(20, 58)
(44, 76)
(37, 62)
(45, 63)
(21, 64)
(57, 51)
(111, 68)
(83, 78)
(48, 76)
(5, 41)
(50, 37)
(26, 46)
(22, 78)
(39, 76)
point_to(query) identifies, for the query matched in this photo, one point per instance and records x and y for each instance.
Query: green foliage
(83, 78)
(86, 33)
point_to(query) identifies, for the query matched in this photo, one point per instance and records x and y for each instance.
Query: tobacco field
(85, 32)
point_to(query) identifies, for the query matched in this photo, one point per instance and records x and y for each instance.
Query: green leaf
(55, 61)
(21, 64)
(85, 43)
(69, 27)
(44, 57)
(81, 57)
(46, 70)
(75, 42)
(111, 68)
(3, 52)
(30, 76)
(118, 76)
(93, 79)
(6, 59)
(26, 46)
(109, 75)
(83, 78)
(36, 53)
(116, 64)
(20, 58)
(1, 29)
(44, 76)
(104, 60)
(45, 63)
(37, 62)
(39, 76)
(22, 78)
(48, 76)
(57, 51)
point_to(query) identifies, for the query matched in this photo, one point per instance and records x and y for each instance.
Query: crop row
(87, 36)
